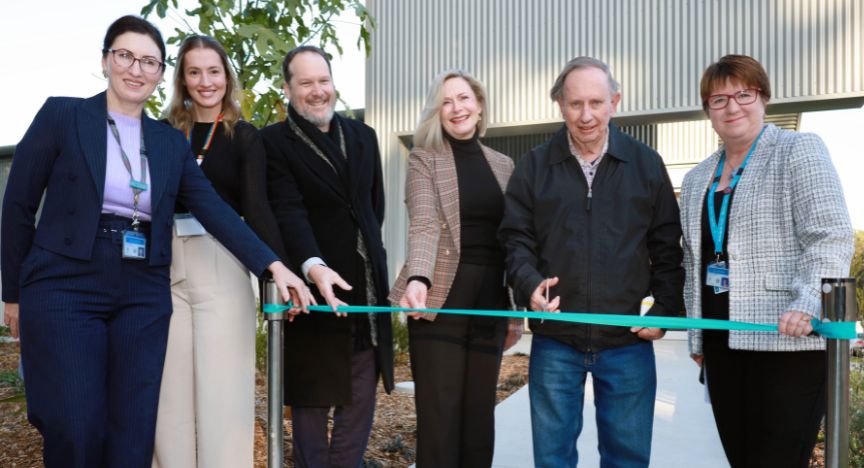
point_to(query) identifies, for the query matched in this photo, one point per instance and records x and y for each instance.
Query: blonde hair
(429, 133)
(180, 111)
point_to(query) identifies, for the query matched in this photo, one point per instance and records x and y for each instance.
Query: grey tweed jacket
(788, 228)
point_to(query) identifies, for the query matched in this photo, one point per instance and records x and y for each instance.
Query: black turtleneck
(481, 204)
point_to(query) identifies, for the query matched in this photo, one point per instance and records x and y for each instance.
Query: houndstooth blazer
(788, 228)
(432, 197)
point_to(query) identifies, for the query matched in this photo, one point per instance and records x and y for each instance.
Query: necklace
(732, 171)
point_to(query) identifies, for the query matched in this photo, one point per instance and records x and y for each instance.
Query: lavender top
(118, 193)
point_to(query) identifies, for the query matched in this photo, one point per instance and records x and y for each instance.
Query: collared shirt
(588, 168)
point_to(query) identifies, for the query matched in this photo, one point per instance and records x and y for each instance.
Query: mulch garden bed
(391, 444)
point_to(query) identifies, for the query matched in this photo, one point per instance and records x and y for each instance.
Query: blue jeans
(625, 384)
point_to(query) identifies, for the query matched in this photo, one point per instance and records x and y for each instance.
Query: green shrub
(400, 341)
(400, 335)
(261, 345)
(856, 413)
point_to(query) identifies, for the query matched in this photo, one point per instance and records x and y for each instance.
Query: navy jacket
(609, 252)
(63, 156)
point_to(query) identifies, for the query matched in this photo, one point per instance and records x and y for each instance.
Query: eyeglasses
(743, 97)
(124, 58)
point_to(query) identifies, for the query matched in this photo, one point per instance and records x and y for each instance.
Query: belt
(111, 225)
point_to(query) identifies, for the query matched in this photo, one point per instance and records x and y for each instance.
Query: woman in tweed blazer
(787, 228)
(455, 203)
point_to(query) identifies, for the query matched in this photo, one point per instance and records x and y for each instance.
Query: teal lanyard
(718, 225)
(138, 186)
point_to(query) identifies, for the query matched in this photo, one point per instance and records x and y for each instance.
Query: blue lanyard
(718, 225)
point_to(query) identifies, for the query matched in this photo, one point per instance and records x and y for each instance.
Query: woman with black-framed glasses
(90, 283)
(764, 220)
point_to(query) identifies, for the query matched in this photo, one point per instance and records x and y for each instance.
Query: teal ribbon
(832, 330)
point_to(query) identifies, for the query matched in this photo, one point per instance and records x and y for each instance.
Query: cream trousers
(207, 400)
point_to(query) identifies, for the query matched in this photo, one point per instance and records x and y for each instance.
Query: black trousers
(455, 362)
(767, 405)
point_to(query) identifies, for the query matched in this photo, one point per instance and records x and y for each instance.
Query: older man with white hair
(591, 225)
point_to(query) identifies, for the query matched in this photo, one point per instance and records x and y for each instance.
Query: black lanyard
(138, 186)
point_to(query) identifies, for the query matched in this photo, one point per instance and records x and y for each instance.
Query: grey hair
(557, 91)
(429, 133)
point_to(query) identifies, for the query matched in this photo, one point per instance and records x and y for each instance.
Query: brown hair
(136, 24)
(286, 71)
(740, 68)
(179, 112)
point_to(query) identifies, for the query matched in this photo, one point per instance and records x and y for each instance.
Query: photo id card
(187, 225)
(134, 245)
(717, 275)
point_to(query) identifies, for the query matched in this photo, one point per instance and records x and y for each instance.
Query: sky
(54, 50)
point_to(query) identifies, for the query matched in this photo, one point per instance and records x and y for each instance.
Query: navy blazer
(63, 155)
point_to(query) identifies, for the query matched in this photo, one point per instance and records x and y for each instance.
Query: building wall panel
(813, 51)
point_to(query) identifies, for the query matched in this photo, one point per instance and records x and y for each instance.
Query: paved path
(684, 431)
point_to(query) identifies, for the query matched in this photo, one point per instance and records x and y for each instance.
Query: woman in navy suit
(91, 280)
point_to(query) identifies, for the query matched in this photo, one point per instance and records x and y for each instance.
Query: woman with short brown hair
(764, 220)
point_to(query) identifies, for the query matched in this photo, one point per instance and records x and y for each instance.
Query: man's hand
(698, 358)
(540, 295)
(514, 333)
(292, 288)
(795, 323)
(649, 334)
(414, 298)
(10, 318)
(325, 278)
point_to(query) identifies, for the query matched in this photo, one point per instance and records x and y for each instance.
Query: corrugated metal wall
(516, 146)
(812, 49)
(687, 143)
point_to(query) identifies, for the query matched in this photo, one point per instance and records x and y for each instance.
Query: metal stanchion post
(275, 376)
(838, 305)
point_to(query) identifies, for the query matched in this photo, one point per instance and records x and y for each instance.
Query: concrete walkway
(684, 430)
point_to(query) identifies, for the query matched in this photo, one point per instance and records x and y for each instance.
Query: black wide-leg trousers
(767, 405)
(455, 362)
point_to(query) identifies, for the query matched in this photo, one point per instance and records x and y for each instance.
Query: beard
(318, 120)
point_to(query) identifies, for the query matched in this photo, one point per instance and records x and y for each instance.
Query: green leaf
(248, 31)
(148, 8)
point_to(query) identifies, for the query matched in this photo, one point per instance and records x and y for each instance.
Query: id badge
(134, 245)
(717, 275)
(186, 225)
